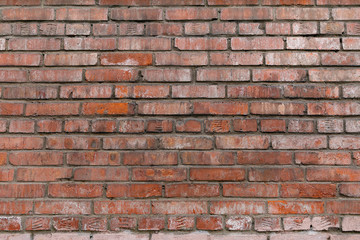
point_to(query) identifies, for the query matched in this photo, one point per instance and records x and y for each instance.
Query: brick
(151, 223)
(133, 190)
(179, 207)
(188, 126)
(145, 142)
(302, 13)
(78, 29)
(245, 125)
(126, 59)
(93, 158)
(301, 126)
(192, 91)
(238, 223)
(323, 158)
(279, 75)
(19, 59)
(346, 13)
(296, 223)
(66, 223)
(332, 28)
(295, 207)
(201, 43)
(15, 207)
(121, 207)
(264, 158)
(305, 235)
(94, 224)
(250, 190)
(292, 58)
(217, 174)
(351, 92)
(276, 174)
(25, 29)
(37, 224)
(74, 59)
(259, 43)
(84, 14)
(42, 109)
(274, 108)
(349, 190)
(337, 2)
(78, 190)
(118, 223)
(125, 2)
(7, 175)
(352, 126)
(192, 190)
(40, 174)
(34, 44)
(170, 108)
(273, 125)
(219, 28)
(10, 223)
(27, 14)
(46, 126)
(325, 222)
(246, 13)
(35, 158)
(254, 91)
(298, 142)
(237, 207)
(159, 126)
(159, 174)
(178, 2)
(268, 224)
(21, 143)
(330, 126)
(101, 174)
(76, 126)
(251, 29)
(126, 235)
(242, 142)
(313, 43)
(190, 13)
(5, 29)
(22, 191)
(197, 28)
(78, 142)
(350, 224)
(209, 223)
(304, 28)
(332, 174)
(110, 108)
(167, 75)
(20, 2)
(136, 14)
(180, 223)
(21, 126)
(149, 158)
(343, 207)
(236, 59)
(304, 190)
(233, 2)
(346, 59)
(221, 108)
(145, 91)
(352, 28)
(231, 75)
(217, 126)
(104, 29)
(158, 29)
(89, 43)
(76, 91)
(183, 59)
(13, 76)
(333, 108)
(278, 28)
(208, 158)
(58, 75)
(289, 2)
(31, 92)
(144, 44)
(292, 91)
(110, 75)
(60, 207)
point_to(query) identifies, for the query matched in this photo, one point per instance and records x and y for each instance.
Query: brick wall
(179, 119)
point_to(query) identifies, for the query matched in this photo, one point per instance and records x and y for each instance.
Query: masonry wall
(179, 119)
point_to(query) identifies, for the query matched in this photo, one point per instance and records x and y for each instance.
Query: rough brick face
(179, 119)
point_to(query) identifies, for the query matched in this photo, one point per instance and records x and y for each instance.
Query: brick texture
(179, 119)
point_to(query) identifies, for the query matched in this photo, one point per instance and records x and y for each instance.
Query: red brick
(313, 43)
(350, 190)
(221, 108)
(133, 190)
(298, 142)
(323, 158)
(22, 126)
(273, 125)
(21, 143)
(93, 158)
(36, 158)
(20, 2)
(69, 2)
(78, 91)
(104, 29)
(46, 126)
(223, 75)
(74, 190)
(346, 59)
(149, 158)
(270, 108)
(183, 59)
(219, 28)
(330, 126)
(34, 44)
(180, 223)
(245, 125)
(351, 43)
(295, 207)
(251, 28)
(110, 75)
(16, 207)
(217, 125)
(346, 13)
(78, 29)
(183, 142)
(268, 224)
(22, 191)
(217, 174)
(305, 28)
(233, 2)
(27, 14)
(338, 2)
(302, 14)
(126, 59)
(191, 91)
(333, 108)
(343, 207)
(25, 29)
(325, 222)
(70, 59)
(66, 223)
(188, 126)
(253, 92)
(13, 76)
(145, 91)
(179, 207)
(276, 174)
(101, 174)
(177, 2)
(84, 14)
(333, 174)
(58, 75)
(246, 13)
(264, 158)
(242, 142)
(236, 58)
(10, 223)
(130, 143)
(78, 142)
(208, 158)
(297, 223)
(238, 223)
(89, 43)
(250, 190)
(237, 207)
(159, 126)
(289, 2)
(110, 108)
(121, 207)
(278, 28)
(136, 14)
(7, 175)
(292, 58)
(41, 174)
(144, 44)
(209, 223)
(94, 224)
(5, 29)
(197, 28)
(167, 75)
(31, 92)
(39, 109)
(151, 223)
(76, 126)
(159, 174)
(301, 126)
(19, 59)
(191, 14)
(169, 108)
(279, 75)
(305, 190)
(125, 2)
(158, 29)
(3, 158)
(37, 224)
(191, 190)
(332, 28)
(259, 43)
(122, 223)
(311, 92)
(201, 43)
